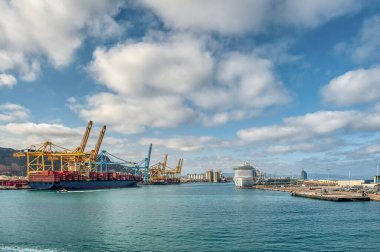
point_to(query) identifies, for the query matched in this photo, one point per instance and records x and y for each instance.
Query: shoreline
(331, 193)
(14, 188)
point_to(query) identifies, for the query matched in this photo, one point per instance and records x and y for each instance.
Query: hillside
(10, 165)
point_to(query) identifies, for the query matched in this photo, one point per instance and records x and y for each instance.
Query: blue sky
(286, 85)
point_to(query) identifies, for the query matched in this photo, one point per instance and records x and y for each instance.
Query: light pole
(377, 178)
(377, 173)
(328, 174)
(349, 178)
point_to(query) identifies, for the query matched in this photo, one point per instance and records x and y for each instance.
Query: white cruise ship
(244, 176)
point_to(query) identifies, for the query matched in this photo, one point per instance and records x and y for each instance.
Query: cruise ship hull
(244, 176)
(243, 182)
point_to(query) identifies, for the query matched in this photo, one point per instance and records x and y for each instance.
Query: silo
(216, 176)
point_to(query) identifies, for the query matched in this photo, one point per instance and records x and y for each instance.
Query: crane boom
(147, 160)
(86, 135)
(164, 164)
(94, 152)
(179, 167)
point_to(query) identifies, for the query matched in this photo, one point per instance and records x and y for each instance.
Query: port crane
(50, 156)
(139, 168)
(92, 160)
(173, 175)
(86, 135)
(157, 172)
(160, 173)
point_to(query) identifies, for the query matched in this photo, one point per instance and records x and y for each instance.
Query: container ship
(73, 180)
(50, 166)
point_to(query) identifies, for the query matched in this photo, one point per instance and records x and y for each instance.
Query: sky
(285, 85)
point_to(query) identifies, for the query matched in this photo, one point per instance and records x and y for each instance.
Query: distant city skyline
(285, 85)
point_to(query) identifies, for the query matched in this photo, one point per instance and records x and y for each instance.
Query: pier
(331, 197)
(324, 193)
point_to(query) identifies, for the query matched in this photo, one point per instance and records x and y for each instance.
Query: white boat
(244, 176)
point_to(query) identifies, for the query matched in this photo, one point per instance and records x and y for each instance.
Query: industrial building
(210, 176)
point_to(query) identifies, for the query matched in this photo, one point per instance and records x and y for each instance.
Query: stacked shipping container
(57, 176)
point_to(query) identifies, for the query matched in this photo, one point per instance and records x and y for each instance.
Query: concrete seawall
(331, 197)
(331, 193)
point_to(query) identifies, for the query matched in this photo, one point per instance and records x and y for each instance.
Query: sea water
(187, 217)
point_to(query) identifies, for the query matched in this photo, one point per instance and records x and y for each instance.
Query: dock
(14, 188)
(374, 197)
(13, 183)
(331, 197)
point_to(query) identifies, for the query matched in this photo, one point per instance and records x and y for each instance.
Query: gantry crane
(173, 175)
(92, 161)
(86, 135)
(160, 173)
(157, 173)
(139, 168)
(49, 156)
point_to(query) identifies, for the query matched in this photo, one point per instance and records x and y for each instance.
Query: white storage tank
(244, 175)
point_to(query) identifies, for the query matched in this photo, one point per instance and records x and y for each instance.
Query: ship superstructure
(244, 176)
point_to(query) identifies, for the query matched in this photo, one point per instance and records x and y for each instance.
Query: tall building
(376, 180)
(303, 175)
(216, 176)
(210, 176)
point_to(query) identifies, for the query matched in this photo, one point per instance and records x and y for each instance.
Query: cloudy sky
(286, 85)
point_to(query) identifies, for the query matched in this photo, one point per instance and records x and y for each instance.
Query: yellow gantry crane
(86, 135)
(94, 153)
(49, 156)
(157, 173)
(160, 173)
(173, 175)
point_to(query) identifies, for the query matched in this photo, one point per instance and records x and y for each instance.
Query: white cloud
(323, 122)
(302, 147)
(315, 12)
(127, 114)
(267, 133)
(176, 66)
(246, 81)
(364, 47)
(368, 44)
(10, 112)
(373, 148)
(313, 125)
(353, 87)
(7, 80)
(32, 30)
(22, 135)
(176, 80)
(185, 143)
(277, 51)
(243, 15)
(43, 129)
(223, 16)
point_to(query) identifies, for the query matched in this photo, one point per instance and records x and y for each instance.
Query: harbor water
(187, 217)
